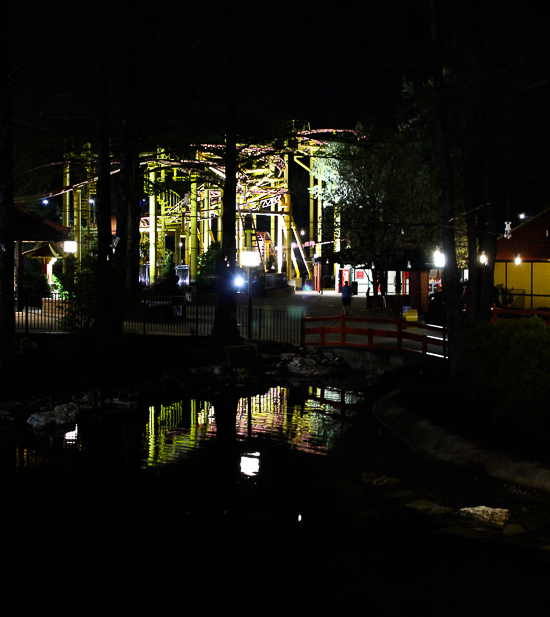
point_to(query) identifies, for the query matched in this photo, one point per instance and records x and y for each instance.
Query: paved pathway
(329, 304)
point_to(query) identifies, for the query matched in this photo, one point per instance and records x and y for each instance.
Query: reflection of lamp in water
(250, 463)
(71, 436)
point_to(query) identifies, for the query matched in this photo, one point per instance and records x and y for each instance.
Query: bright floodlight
(439, 259)
(239, 281)
(70, 246)
(250, 259)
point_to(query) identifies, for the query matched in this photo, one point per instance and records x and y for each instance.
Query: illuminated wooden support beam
(319, 238)
(177, 245)
(152, 231)
(206, 220)
(66, 201)
(300, 249)
(193, 241)
(311, 215)
(77, 228)
(220, 219)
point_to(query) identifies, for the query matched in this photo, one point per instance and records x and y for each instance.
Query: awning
(45, 250)
(28, 226)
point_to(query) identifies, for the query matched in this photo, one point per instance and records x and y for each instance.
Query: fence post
(196, 318)
(144, 317)
(399, 334)
(26, 300)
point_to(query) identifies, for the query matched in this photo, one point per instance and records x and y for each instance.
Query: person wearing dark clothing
(346, 299)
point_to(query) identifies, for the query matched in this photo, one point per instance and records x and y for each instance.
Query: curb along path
(442, 445)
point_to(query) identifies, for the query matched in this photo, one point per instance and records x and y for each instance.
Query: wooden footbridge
(376, 333)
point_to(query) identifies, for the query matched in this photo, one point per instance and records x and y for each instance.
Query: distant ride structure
(187, 222)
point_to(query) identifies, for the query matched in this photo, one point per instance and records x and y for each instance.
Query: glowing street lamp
(250, 259)
(483, 258)
(439, 258)
(517, 259)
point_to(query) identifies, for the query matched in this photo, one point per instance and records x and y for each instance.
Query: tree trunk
(489, 239)
(131, 282)
(127, 222)
(128, 216)
(451, 287)
(472, 300)
(7, 316)
(225, 322)
(106, 327)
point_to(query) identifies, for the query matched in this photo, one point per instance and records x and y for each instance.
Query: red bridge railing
(375, 333)
(500, 313)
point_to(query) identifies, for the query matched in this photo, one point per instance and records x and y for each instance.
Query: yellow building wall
(519, 277)
(541, 284)
(500, 274)
(532, 278)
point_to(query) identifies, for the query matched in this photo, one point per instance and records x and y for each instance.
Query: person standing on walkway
(346, 299)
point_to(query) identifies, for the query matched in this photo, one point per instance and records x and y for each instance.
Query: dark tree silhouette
(7, 317)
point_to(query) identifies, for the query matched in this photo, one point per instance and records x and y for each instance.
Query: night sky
(183, 69)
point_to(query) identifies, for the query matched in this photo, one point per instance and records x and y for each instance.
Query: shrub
(507, 362)
(209, 261)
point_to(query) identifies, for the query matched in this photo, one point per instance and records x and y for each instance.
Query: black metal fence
(280, 326)
(170, 315)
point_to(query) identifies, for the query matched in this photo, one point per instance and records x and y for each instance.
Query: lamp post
(249, 260)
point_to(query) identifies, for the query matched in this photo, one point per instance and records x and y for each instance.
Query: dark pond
(253, 502)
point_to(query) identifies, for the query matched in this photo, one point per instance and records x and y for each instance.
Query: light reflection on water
(308, 421)
(177, 431)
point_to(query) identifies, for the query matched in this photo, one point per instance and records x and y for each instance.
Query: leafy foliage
(507, 362)
(209, 261)
(380, 193)
(78, 286)
(169, 265)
